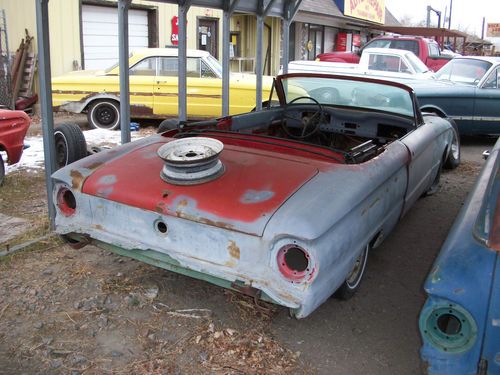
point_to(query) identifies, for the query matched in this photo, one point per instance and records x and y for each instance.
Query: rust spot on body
(180, 206)
(234, 250)
(76, 179)
(93, 166)
(98, 226)
(203, 220)
(161, 208)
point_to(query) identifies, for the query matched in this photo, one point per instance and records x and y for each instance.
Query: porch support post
(44, 79)
(258, 55)
(228, 8)
(123, 6)
(182, 58)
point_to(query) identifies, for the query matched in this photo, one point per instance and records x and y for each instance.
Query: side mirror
(486, 154)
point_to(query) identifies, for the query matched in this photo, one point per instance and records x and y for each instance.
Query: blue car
(467, 90)
(460, 321)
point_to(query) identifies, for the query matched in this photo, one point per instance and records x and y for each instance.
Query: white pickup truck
(383, 62)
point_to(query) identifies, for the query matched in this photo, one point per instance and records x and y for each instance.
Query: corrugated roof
(325, 7)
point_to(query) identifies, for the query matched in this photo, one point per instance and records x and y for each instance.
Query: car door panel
(486, 108)
(423, 164)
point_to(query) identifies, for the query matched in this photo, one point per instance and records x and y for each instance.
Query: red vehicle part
(13, 128)
(242, 197)
(425, 49)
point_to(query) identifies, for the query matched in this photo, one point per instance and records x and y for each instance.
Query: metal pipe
(123, 6)
(182, 52)
(226, 19)
(449, 17)
(258, 56)
(44, 79)
(286, 45)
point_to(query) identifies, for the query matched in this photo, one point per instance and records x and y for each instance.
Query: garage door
(100, 34)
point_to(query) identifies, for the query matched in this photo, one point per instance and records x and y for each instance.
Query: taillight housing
(66, 201)
(295, 263)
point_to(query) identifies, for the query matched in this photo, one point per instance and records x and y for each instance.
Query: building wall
(64, 36)
(64, 28)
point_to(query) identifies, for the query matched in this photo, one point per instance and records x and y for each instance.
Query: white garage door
(100, 34)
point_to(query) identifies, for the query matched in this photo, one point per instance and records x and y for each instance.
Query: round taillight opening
(66, 201)
(449, 324)
(294, 262)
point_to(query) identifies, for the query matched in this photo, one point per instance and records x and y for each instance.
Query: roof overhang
(429, 32)
(277, 9)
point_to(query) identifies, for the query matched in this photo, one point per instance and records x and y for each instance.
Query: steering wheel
(313, 121)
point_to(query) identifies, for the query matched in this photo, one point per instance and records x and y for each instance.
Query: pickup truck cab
(425, 49)
(378, 62)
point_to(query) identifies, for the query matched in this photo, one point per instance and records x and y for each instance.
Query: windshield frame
(417, 64)
(466, 62)
(214, 64)
(417, 115)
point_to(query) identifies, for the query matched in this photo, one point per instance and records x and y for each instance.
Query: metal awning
(285, 9)
(422, 31)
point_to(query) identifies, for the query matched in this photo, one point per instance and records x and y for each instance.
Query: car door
(203, 89)
(486, 107)
(166, 89)
(141, 80)
(423, 163)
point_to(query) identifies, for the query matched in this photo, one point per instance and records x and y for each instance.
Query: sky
(467, 15)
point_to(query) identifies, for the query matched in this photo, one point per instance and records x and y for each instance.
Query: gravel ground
(90, 312)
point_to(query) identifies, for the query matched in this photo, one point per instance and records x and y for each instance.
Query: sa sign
(174, 37)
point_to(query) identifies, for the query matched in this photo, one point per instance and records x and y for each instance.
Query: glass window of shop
(311, 40)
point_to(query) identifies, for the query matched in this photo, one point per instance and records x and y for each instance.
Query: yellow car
(154, 90)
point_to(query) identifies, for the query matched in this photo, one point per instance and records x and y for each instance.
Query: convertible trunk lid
(254, 185)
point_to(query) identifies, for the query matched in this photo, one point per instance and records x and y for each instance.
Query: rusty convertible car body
(283, 204)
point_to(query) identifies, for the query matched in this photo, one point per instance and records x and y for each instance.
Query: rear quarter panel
(13, 128)
(466, 276)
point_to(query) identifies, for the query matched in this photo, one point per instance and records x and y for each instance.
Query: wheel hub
(191, 161)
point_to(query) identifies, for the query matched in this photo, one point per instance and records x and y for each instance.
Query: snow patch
(33, 156)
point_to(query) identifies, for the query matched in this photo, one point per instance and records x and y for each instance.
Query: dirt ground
(66, 311)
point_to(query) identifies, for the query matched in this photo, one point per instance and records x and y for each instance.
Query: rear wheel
(70, 144)
(104, 114)
(2, 170)
(353, 280)
(453, 159)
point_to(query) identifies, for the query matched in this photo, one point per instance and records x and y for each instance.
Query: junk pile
(23, 73)
(5, 77)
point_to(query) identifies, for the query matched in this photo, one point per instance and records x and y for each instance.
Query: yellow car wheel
(104, 114)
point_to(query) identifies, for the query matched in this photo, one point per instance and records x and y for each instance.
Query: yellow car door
(204, 90)
(142, 83)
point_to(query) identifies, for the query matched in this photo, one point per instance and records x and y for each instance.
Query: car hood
(250, 78)
(79, 73)
(254, 185)
(434, 84)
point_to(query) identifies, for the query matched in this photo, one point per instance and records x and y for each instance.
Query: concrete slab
(11, 227)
